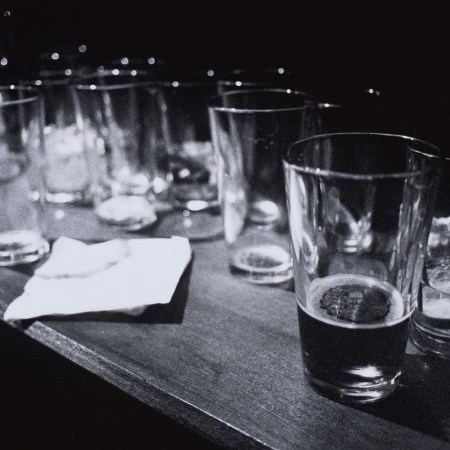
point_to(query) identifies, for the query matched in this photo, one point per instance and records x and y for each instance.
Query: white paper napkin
(118, 275)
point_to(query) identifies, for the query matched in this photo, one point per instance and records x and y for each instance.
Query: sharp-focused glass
(360, 205)
(66, 171)
(251, 129)
(430, 325)
(120, 120)
(21, 207)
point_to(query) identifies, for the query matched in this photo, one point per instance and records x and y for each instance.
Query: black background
(370, 45)
(401, 50)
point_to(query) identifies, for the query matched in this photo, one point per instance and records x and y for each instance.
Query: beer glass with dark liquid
(360, 205)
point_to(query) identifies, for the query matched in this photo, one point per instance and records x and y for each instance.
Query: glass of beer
(359, 205)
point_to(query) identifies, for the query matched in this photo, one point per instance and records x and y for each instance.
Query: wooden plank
(231, 368)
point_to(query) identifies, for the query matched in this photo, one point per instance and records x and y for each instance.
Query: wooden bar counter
(223, 360)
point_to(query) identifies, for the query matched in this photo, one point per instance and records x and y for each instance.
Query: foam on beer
(320, 286)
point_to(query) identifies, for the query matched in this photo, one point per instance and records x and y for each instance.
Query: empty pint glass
(119, 112)
(359, 208)
(22, 211)
(250, 130)
(66, 171)
(191, 157)
(430, 324)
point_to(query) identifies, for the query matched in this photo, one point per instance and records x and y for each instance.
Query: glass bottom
(429, 340)
(262, 264)
(21, 247)
(71, 198)
(129, 212)
(357, 392)
(196, 226)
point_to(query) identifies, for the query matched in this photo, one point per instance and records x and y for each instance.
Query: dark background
(333, 43)
(402, 51)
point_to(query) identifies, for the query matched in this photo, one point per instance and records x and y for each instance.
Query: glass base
(196, 226)
(357, 392)
(262, 264)
(429, 342)
(71, 198)
(21, 247)
(129, 212)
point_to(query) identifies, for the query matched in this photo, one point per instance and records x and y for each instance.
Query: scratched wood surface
(223, 359)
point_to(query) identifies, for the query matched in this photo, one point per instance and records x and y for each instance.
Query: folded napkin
(118, 275)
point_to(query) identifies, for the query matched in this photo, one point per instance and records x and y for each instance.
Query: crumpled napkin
(117, 275)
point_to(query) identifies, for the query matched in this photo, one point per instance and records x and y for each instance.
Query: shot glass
(120, 118)
(191, 156)
(22, 215)
(360, 205)
(430, 324)
(251, 129)
(66, 171)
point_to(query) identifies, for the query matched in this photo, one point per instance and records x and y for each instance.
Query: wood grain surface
(224, 360)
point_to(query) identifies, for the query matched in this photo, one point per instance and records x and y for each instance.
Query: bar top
(223, 358)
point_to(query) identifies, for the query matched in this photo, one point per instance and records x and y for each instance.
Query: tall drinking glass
(120, 116)
(251, 129)
(66, 171)
(430, 325)
(22, 215)
(360, 205)
(191, 157)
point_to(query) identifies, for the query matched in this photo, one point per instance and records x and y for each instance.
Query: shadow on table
(172, 312)
(422, 400)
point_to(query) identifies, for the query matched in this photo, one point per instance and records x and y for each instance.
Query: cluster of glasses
(336, 195)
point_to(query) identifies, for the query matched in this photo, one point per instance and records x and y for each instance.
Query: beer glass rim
(245, 75)
(121, 79)
(125, 62)
(47, 78)
(215, 101)
(432, 153)
(170, 78)
(28, 93)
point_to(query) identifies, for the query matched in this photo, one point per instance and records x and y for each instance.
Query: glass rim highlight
(120, 79)
(49, 78)
(215, 102)
(436, 153)
(32, 97)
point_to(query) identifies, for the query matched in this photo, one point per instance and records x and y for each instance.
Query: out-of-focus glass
(259, 78)
(251, 129)
(430, 325)
(120, 116)
(150, 64)
(22, 216)
(192, 160)
(66, 169)
(360, 206)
